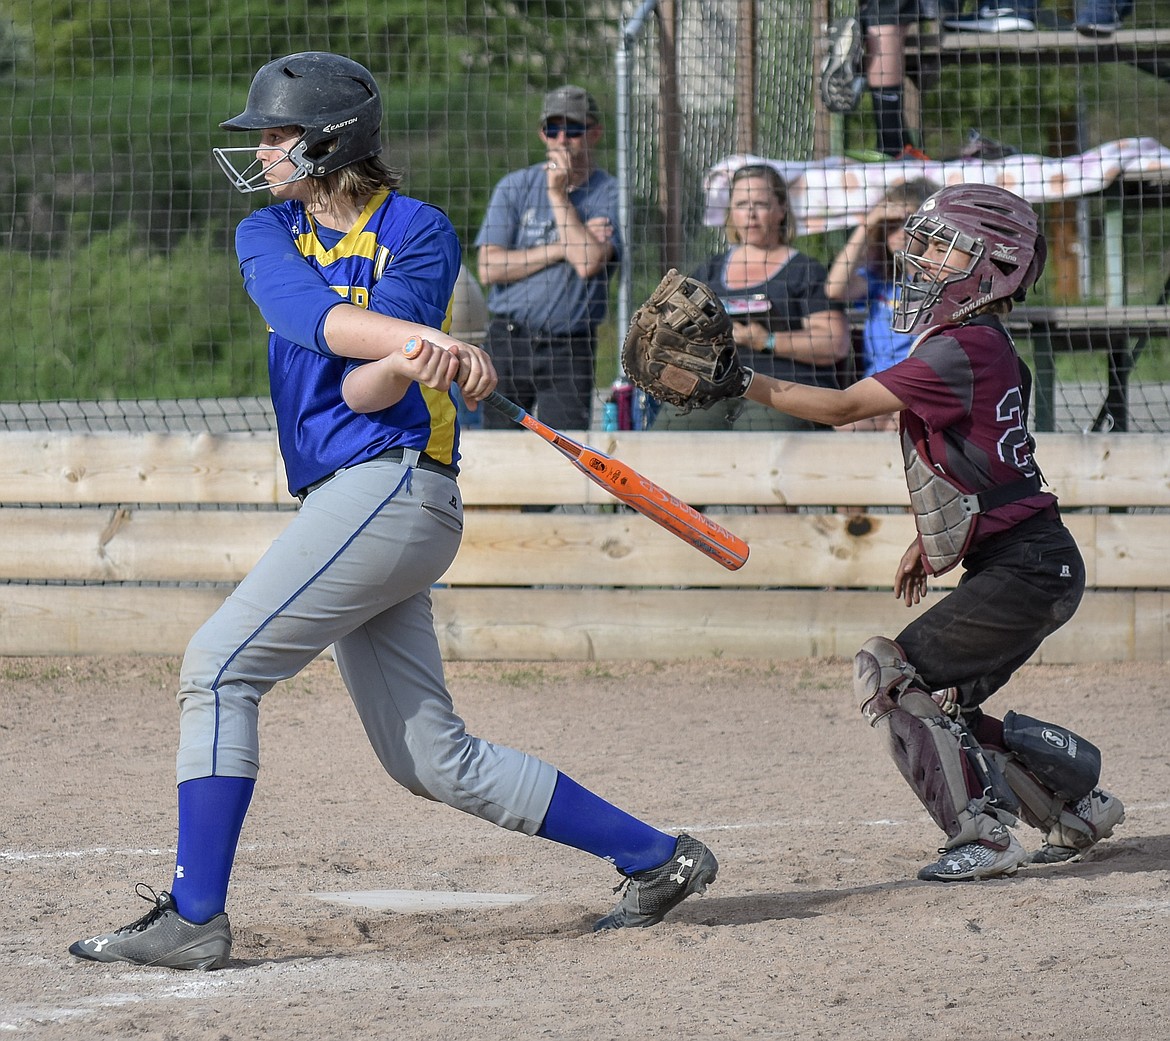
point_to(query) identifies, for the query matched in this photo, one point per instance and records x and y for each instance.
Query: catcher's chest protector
(944, 515)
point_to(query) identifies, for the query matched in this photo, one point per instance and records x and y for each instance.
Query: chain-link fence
(124, 309)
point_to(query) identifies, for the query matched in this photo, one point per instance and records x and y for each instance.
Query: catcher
(976, 493)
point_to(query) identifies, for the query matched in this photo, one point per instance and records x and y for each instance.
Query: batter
(345, 270)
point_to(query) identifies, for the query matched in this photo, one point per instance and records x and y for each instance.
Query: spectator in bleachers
(876, 42)
(783, 323)
(548, 246)
(864, 272)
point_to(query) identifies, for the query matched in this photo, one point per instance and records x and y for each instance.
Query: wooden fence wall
(102, 548)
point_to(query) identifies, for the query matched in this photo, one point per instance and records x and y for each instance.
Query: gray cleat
(163, 937)
(1068, 840)
(974, 861)
(649, 895)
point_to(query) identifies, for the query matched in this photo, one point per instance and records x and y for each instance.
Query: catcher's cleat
(1100, 810)
(649, 895)
(974, 861)
(162, 937)
(842, 81)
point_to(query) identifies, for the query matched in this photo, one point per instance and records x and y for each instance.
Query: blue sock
(578, 818)
(211, 813)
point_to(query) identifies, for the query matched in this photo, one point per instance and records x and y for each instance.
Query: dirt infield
(816, 927)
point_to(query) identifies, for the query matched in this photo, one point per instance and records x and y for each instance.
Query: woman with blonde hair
(783, 323)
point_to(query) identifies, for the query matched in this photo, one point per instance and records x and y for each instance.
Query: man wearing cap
(548, 246)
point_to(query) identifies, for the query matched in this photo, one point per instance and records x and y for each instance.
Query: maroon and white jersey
(966, 394)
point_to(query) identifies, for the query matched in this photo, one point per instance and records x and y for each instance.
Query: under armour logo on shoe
(98, 942)
(684, 863)
(178, 871)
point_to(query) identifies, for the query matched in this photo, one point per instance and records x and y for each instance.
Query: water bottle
(609, 416)
(623, 397)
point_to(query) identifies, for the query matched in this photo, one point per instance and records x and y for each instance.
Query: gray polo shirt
(555, 299)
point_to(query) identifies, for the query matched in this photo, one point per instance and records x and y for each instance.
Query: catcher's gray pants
(354, 570)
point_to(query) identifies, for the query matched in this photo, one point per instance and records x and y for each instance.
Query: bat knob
(412, 347)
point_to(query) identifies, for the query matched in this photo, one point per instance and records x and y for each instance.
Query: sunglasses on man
(571, 130)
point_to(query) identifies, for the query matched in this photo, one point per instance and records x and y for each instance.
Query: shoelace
(151, 916)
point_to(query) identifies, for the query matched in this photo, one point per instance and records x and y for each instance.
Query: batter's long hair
(359, 180)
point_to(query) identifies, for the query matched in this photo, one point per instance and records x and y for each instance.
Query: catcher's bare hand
(910, 578)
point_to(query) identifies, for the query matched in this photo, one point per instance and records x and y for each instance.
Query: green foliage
(115, 222)
(138, 323)
(399, 40)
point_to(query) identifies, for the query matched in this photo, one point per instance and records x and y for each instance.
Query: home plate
(405, 901)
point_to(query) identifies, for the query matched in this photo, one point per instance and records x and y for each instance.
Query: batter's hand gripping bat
(629, 487)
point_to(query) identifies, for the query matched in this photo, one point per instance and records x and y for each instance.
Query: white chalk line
(164, 985)
(14, 855)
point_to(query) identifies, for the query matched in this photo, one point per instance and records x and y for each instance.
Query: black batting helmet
(333, 99)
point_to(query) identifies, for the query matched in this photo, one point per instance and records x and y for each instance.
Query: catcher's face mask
(931, 271)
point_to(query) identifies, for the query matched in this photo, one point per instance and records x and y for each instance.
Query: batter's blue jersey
(401, 258)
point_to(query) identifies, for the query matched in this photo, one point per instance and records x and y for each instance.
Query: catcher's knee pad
(880, 674)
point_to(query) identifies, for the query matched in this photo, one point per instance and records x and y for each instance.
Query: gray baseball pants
(354, 569)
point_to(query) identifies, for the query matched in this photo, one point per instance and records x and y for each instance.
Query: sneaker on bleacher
(1101, 18)
(991, 19)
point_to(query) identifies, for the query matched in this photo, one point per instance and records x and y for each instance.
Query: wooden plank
(117, 544)
(499, 548)
(1103, 470)
(37, 466)
(1039, 47)
(514, 467)
(1130, 550)
(860, 550)
(103, 619)
(579, 625)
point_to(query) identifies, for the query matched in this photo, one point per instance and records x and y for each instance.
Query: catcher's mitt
(680, 349)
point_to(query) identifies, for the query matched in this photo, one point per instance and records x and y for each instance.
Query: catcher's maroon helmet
(998, 230)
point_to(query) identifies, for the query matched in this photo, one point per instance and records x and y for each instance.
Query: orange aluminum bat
(628, 486)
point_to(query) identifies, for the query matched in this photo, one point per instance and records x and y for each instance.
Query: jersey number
(1015, 447)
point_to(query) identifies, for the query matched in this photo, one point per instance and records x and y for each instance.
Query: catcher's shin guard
(1050, 768)
(943, 764)
(1065, 762)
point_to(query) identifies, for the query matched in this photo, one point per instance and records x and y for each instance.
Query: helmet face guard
(249, 176)
(332, 99)
(921, 285)
(1003, 255)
